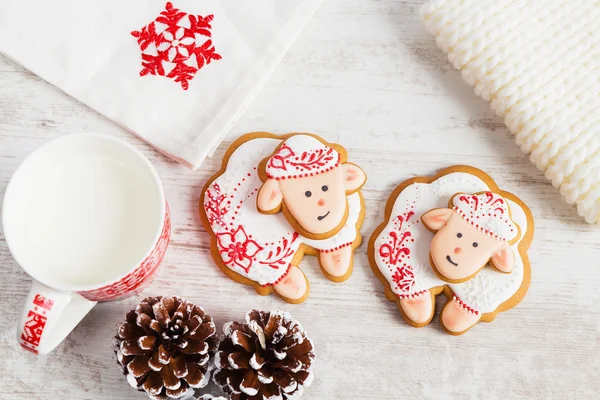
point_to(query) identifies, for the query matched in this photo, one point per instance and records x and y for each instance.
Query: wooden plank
(365, 74)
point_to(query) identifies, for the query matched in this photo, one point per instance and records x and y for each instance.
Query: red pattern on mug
(176, 45)
(110, 253)
(35, 323)
(136, 281)
(43, 302)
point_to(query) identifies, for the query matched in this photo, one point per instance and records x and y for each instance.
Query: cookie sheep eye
(475, 244)
(459, 235)
(308, 193)
(324, 188)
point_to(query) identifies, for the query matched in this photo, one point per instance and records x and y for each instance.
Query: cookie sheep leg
(418, 309)
(293, 287)
(457, 317)
(336, 264)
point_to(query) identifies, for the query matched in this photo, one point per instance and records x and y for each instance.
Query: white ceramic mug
(85, 216)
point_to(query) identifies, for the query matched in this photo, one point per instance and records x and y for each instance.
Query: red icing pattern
(314, 159)
(225, 213)
(278, 258)
(465, 306)
(171, 45)
(404, 278)
(236, 246)
(279, 160)
(397, 249)
(483, 211)
(412, 295)
(216, 207)
(237, 249)
(336, 248)
(308, 164)
(287, 271)
(395, 252)
(467, 199)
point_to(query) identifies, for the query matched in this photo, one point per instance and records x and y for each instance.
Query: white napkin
(204, 60)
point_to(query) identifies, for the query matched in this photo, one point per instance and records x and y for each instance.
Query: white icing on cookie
(301, 156)
(402, 247)
(488, 212)
(254, 245)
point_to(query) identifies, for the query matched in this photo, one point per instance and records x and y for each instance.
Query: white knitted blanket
(538, 64)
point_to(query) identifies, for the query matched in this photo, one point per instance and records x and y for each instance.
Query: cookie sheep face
(317, 203)
(459, 250)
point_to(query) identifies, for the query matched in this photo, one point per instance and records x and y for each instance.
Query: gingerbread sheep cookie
(316, 189)
(455, 233)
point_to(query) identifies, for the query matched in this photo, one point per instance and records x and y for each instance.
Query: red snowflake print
(237, 248)
(404, 278)
(176, 45)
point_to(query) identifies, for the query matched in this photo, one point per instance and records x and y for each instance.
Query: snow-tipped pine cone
(165, 347)
(268, 357)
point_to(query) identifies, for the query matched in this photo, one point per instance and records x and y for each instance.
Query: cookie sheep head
(476, 230)
(310, 181)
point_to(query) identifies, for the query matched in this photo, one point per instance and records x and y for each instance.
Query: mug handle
(48, 316)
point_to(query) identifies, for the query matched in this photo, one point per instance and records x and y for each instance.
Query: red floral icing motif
(488, 212)
(467, 199)
(395, 251)
(500, 207)
(176, 45)
(279, 159)
(301, 156)
(314, 159)
(237, 248)
(404, 278)
(216, 207)
(278, 258)
(397, 248)
(308, 161)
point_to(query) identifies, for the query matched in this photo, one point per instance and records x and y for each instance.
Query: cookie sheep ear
(504, 259)
(269, 197)
(436, 219)
(354, 177)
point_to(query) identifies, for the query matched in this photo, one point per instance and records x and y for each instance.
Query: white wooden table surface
(365, 74)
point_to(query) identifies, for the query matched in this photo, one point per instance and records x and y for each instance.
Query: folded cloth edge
(279, 47)
(192, 157)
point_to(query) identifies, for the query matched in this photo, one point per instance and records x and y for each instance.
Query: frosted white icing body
(260, 246)
(402, 250)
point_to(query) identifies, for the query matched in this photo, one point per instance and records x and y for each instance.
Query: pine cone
(268, 357)
(165, 346)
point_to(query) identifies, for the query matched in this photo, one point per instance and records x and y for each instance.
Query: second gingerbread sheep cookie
(455, 233)
(318, 193)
